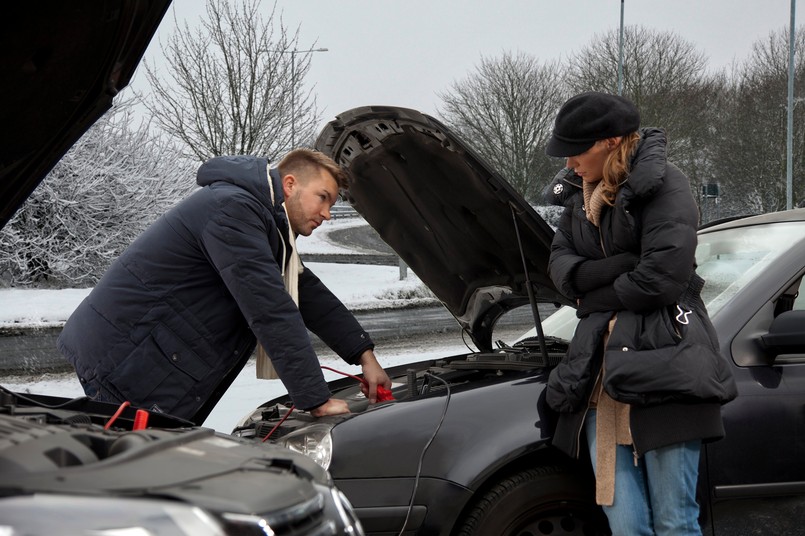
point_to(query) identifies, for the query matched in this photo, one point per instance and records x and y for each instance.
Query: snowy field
(358, 286)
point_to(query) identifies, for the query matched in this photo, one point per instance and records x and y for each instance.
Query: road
(432, 327)
(422, 327)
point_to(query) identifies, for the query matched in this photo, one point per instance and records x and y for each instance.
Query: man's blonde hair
(300, 162)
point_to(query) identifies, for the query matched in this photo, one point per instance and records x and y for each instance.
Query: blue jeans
(656, 496)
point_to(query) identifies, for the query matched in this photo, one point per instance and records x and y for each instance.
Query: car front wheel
(541, 500)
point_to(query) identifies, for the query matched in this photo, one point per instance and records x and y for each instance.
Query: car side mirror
(786, 334)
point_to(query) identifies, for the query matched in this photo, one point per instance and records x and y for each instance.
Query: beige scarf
(593, 200)
(290, 276)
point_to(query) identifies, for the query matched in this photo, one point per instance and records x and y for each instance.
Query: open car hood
(454, 220)
(60, 77)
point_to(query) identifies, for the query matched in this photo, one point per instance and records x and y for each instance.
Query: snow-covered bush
(114, 181)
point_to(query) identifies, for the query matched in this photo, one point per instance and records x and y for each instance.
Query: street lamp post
(293, 54)
(789, 162)
(620, 56)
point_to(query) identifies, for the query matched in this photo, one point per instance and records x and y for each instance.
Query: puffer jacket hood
(248, 172)
(648, 165)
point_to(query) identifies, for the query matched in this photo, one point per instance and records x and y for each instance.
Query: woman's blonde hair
(616, 166)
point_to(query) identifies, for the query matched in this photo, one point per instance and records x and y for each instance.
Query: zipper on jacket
(601, 240)
(581, 428)
(587, 411)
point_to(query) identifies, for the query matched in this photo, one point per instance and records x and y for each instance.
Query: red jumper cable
(383, 395)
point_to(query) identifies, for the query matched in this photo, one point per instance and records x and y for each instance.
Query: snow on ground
(358, 286)
(318, 241)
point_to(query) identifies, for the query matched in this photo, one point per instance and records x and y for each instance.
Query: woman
(624, 251)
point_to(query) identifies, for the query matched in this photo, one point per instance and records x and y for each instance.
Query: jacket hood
(248, 172)
(647, 168)
(466, 233)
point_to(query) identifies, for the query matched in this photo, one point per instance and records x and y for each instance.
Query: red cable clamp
(383, 394)
(140, 420)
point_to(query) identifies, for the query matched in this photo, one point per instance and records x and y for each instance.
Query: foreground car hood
(60, 78)
(445, 212)
(60, 454)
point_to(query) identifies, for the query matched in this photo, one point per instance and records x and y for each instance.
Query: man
(178, 314)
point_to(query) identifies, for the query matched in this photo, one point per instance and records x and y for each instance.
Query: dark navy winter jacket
(178, 314)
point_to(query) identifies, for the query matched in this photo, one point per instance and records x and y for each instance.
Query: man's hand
(331, 407)
(374, 375)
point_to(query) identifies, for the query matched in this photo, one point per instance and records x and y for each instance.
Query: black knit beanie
(589, 117)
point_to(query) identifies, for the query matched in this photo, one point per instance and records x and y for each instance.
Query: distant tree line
(236, 87)
(726, 128)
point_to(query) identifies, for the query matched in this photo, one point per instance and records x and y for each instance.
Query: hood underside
(62, 63)
(446, 213)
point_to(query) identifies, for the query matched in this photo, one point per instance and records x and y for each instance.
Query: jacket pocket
(649, 331)
(159, 371)
(665, 364)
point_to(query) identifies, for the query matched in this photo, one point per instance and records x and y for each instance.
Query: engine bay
(278, 418)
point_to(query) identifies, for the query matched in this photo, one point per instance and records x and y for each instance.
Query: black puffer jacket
(643, 258)
(177, 315)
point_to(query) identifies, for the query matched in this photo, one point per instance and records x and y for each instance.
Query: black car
(74, 466)
(465, 446)
(78, 467)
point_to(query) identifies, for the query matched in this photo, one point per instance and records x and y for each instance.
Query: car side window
(730, 259)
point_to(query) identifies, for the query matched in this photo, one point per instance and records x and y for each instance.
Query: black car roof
(793, 215)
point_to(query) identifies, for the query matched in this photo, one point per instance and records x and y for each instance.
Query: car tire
(542, 500)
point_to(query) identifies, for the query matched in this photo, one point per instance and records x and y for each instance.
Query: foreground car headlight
(103, 516)
(313, 441)
(351, 523)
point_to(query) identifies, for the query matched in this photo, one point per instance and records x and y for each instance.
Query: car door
(756, 474)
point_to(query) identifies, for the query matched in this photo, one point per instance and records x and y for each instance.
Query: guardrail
(343, 211)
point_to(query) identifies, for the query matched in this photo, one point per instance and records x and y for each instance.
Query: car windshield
(727, 260)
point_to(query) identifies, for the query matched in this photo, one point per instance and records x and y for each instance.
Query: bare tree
(113, 182)
(505, 111)
(234, 84)
(667, 78)
(751, 133)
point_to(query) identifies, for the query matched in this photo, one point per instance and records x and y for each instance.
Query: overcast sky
(404, 52)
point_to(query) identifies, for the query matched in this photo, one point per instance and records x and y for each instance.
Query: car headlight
(351, 523)
(103, 516)
(313, 441)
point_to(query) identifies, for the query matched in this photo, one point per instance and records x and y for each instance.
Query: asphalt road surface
(430, 327)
